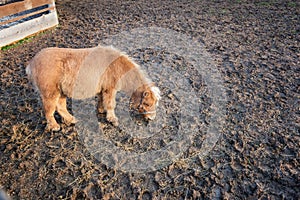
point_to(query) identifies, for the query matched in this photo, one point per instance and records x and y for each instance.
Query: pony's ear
(146, 94)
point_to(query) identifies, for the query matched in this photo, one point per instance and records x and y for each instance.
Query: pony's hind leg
(61, 108)
(100, 106)
(49, 104)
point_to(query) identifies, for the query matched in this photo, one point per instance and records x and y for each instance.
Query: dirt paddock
(255, 46)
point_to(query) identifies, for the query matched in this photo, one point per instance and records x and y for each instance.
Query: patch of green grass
(224, 11)
(292, 4)
(270, 3)
(18, 43)
(264, 3)
(25, 40)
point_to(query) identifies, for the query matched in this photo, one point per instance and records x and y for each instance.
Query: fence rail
(20, 19)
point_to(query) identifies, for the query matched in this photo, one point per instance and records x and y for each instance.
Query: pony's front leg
(109, 102)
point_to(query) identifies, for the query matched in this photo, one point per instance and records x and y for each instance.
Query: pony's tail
(30, 77)
(29, 71)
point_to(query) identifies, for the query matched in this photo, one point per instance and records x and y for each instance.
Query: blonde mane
(134, 77)
(145, 79)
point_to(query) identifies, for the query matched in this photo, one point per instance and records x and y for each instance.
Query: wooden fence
(20, 19)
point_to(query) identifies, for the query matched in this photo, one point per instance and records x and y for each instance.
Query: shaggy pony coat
(59, 73)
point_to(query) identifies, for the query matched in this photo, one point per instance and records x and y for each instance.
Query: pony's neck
(133, 77)
(133, 80)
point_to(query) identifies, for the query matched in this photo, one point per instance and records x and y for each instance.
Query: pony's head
(144, 101)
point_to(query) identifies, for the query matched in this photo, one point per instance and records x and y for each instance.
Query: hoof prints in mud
(255, 46)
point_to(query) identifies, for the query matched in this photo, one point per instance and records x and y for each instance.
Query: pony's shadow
(134, 118)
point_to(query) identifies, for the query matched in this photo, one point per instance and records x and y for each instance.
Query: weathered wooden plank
(51, 8)
(2, 2)
(13, 8)
(23, 30)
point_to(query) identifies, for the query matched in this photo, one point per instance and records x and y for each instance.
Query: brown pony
(59, 73)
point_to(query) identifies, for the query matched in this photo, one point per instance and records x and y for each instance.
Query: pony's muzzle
(150, 115)
(147, 115)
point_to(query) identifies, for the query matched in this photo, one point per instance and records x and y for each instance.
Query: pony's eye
(146, 94)
(146, 104)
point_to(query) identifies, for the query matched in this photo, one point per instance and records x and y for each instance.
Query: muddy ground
(255, 46)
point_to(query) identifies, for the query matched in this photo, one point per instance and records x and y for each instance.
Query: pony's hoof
(113, 120)
(53, 127)
(71, 121)
(101, 111)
